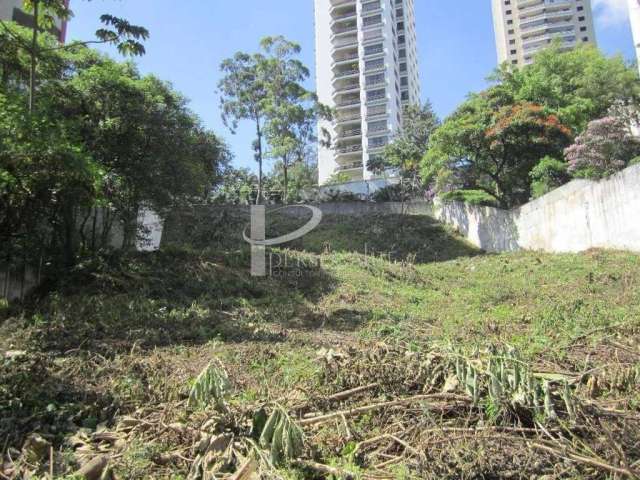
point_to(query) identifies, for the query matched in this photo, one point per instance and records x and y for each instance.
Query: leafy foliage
(301, 180)
(404, 153)
(211, 386)
(266, 88)
(472, 197)
(495, 139)
(605, 147)
(577, 86)
(101, 137)
(492, 146)
(548, 175)
(282, 436)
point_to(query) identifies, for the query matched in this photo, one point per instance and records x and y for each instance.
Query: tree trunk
(285, 168)
(130, 228)
(34, 56)
(259, 158)
(69, 251)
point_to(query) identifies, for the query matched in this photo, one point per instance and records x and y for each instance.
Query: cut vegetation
(386, 347)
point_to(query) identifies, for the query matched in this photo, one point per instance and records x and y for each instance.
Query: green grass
(124, 332)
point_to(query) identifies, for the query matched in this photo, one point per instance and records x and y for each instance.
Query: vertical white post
(258, 232)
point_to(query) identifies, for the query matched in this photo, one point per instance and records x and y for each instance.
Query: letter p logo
(258, 239)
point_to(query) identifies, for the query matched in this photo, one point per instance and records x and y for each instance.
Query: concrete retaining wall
(580, 215)
(576, 217)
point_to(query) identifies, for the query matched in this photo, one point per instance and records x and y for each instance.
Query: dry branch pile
(380, 413)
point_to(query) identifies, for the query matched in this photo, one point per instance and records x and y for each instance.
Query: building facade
(634, 18)
(12, 10)
(524, 27)
(366, 70)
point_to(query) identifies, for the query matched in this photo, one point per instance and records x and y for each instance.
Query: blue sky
(189, 39)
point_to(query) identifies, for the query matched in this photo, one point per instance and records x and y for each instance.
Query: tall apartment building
(12, 10)
(524, 27)
(367, 69)
(634, 18)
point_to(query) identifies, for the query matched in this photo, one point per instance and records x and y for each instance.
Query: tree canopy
(577, 86)
(404, 153)
(101, 135)
(267, 89)
(513, 134)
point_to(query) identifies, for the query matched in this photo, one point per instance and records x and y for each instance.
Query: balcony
(376, 111)
(546, 30)
(341, 59)
(344, 29)
(544, 41)
(335, 4)
(539, 6)
(344, 16)
(350, 166)
(349, 149)
(347, 87)
(374, 65)
(376, 97)
(347, 73)
(373, 50)
(350, 133)
(347, 103)
(349, 118)
(526, 20)
(342, 43)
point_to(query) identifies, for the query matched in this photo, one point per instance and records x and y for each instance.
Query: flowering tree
(491, 146)
(605, 147)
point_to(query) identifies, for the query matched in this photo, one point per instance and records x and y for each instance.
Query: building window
(378, 126)
(378, 142)
(375, 79)
(374, 20)
(374, 95)
(373, 49)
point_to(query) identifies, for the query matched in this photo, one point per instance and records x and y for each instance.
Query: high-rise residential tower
(634, 18)
(367, 69)
(12, 10)
(524, 27)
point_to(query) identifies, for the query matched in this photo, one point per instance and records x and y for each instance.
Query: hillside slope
(386, 309)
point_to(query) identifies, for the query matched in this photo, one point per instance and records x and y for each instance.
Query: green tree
(301, 178)
(548, 175)
(116, 31)
(243, 96)
(99, 136)
(492, 148)
(140, 131)
(46, 175)
(405, 152)
(577, 86)
(236, 187)
(266, 88)
(290, 108)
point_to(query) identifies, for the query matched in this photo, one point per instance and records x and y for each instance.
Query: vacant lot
(400, 350)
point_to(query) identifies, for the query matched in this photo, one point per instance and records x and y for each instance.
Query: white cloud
(610, 13)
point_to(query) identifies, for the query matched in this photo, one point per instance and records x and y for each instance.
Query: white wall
(578, 216)
(634, 18)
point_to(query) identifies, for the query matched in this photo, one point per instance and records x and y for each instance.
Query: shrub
(339, 196)
(400, 192)
(548, 175)
(605, 147)
(472, 197)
